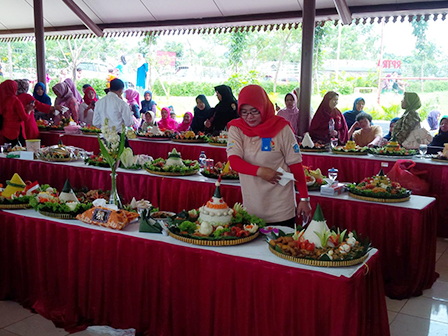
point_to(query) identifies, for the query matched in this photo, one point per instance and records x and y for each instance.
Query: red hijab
(183, 126)
(167, 123)
(319, 130)
(270, 125)
(86, 98)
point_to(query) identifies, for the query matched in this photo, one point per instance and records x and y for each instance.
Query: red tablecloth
(154, 148)
(77, 276)
(405, 237)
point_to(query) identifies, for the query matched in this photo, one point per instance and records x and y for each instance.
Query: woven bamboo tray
(15, 206)
(349, 153)
(204, 242)
(57, 215)
(224, 178)
(319, 263)
(90, 133)
(154, 138)
(171, 174)
(315, 150)
(381, 200)
(189, 141)
(440, 160)
(219, 144)
(394, 156)
(58, 160)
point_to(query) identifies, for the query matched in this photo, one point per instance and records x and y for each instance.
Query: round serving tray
(15, 206)
(90, 133)
(440, 160)
(204, 242)
(319, 263)
(315, 187)
(394, 156)
(189, 141)
(349, 153)
(315, 150)
(57, 215)
(222, 177)
(58, 160)
(153, 139)
(171, 173)
(219, 144)
(381, 200)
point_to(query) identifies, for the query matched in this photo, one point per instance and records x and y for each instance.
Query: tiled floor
(420, 316)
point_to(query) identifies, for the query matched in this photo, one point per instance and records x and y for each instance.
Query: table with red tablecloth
(77, 275)
(405, 233)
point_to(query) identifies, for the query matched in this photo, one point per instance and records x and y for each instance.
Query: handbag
(404, 173)
(418, 136)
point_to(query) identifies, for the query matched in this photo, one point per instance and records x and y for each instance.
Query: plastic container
(202, 160)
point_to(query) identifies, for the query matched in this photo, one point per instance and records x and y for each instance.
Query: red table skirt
(405, 237)
(77, 277)
(155, 149)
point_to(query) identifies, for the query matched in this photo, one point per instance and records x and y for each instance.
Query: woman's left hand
(305, 208)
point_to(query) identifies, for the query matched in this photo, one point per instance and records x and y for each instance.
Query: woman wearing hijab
(350, 116)
(388, 136)
(87, 107)
(225, 110)
(148, 104)
(166, 122)
(258, 143)
(202, 112)
(186, 122)
(64, 97)
(133, 98)
(410, 119)
(327, 111)
(31, 129)
(40, 95)
(431, 122)
(14, 114)
(439, 141)
(291, 112)
(74, 90)
(148, 121)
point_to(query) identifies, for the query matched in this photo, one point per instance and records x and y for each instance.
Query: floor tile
(395, 305)
(391, 315)
(4, 332)
(442, 245)
(11, 312)
(436, 310)
(405, 325)
(439, 290)
(36, 326)
(438, 255)
(442, 267)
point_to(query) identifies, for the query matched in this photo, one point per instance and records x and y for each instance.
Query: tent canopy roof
(17, 16)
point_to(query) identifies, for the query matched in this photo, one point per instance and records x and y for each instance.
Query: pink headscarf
(183, 126)
(167, 123)
(63, 90)
(291, 114)
(74, 90)
(133, 97)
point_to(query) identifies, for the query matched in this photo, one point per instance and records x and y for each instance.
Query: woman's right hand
(207, 124)
(268, 174)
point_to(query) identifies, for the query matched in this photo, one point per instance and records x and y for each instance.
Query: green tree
(237, 48)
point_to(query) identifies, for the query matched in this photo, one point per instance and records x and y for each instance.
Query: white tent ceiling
(16, 16)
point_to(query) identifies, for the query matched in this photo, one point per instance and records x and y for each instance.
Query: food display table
(77, 275)
(351, 168)
(405, 233)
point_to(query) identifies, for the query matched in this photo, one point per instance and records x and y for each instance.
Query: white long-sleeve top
(114, 109)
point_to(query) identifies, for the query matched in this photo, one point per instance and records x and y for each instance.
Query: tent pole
(306, 65)
(40, 42)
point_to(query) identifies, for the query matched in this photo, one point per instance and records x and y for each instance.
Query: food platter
(226, 242)
(219, 144)
(381, 200)
(193, 172)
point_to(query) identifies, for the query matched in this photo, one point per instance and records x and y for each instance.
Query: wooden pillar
(306, 64)
(40, 42)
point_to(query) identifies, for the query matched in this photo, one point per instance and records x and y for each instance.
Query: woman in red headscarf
(186, 122)
(87, 106)
(320, 125)
(14, 114)
(259, 142)
(166, 123)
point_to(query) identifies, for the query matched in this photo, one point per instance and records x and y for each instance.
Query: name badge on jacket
(266, 144)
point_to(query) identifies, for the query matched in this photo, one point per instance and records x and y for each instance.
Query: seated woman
(350, 116)
(87, 107)
(388, 136)
(39, 93)
(258, 144)
(431, 122)
(410, 119)
(166, 122)
(186, 122)
(174, 116)
(368, 135)
(14, 114)
(133, 98)
(224, 111)
(148, 104)
(202, 112)
(147, 121)
(64, 97)
(320, 124)
(291, 112)
(31, 129)
(438, 142)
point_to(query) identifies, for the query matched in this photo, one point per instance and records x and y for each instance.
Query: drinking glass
(333, 175)
(423, 150)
